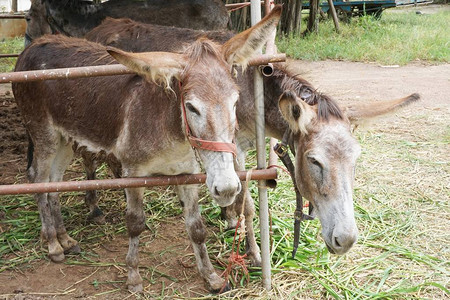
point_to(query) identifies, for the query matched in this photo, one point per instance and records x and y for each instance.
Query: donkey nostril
(336, 242)
(216, 191)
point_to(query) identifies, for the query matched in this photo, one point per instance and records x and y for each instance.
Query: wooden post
(334, 15)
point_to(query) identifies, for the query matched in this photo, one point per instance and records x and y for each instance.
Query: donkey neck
(76, 18)
(275, 125)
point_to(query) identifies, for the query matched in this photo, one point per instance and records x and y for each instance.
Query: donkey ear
(296, 112)
(358, 114)
(158, 67)
(239, 49)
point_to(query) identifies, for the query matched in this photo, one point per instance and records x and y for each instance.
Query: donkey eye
(192, 109)
(317, 170)
(315, 162)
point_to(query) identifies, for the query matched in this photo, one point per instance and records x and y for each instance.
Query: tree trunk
(313, 22)
(291, 18)
(298, 17)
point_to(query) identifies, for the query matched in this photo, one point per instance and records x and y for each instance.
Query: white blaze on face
(216, 122)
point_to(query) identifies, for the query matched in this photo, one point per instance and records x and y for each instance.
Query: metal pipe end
(266, 70)
(271, 183)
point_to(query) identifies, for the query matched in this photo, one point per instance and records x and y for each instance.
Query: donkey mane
(199, 55)
(201, 50)
(326, 107)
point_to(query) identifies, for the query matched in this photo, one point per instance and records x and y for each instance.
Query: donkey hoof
(138, 288)
(255, 262)
(96, 217)
(223, 289)
(74, 250)
(98, 220)
(217, 285)
(57, 258)
(231, 224)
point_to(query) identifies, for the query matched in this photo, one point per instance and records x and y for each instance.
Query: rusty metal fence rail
(104, 70)
(120, 183)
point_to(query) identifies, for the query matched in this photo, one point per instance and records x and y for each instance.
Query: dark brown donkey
(140, 123)
(75, 17)
(339, 230)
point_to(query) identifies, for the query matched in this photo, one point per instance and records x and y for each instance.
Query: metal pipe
(9, 55)
(255, 10)
(238, 5)
(265, 59)
(14, 5)
(3, 16)
(266, 71)
(104, 70)
(120, 183)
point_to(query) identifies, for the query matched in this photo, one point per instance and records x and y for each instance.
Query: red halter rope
(203, 144)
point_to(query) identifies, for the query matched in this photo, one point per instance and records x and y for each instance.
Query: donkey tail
(357, 114)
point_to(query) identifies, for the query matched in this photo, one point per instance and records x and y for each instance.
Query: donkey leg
(90, 166)
(40, 172)
(60, 164)
(135, 219)
(233, 212)
(253, 251)
(229, 214)
(197, 234)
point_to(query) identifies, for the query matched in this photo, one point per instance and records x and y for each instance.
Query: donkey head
(208, 92)
(326, 159)
(37, 24)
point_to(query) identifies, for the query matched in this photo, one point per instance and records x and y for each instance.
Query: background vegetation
(10, 46)
(396, 38)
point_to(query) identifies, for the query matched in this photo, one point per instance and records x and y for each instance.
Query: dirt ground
(169, 251)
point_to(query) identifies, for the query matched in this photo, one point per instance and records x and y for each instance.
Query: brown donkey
(140, 122)
(139, 37)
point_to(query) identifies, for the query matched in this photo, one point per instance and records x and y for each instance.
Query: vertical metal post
(14, 5)
(255, 9)
(271, 49)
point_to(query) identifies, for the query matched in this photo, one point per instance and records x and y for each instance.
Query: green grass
(10, 46)
(401, 208)
(397, 38)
